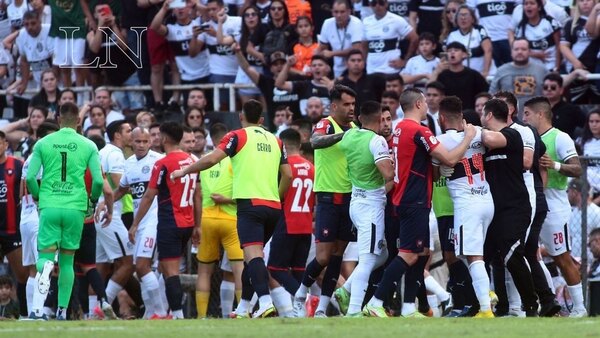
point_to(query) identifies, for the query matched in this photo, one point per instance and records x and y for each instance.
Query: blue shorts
(446, 232)
(332, 218)
(414, 229)
(288, 251)
(255, 223)
(171, 241)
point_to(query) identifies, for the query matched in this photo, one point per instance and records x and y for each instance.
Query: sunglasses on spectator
(448, 11)
(377, 2)
(194, 117)
(250, 14)
(552, 87)
(276, 8)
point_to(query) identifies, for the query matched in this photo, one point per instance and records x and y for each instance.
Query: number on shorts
(477, 161)
(149, 243)
(63, 166)
(558, 238)
(189, 184)
(301, 184)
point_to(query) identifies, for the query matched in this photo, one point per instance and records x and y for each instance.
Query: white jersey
(592, 148)
(340, 39)
(540, 38)
(467, 185)
(15, 14)
(417, 65)
(382, 36)
(565, 149)
(528, 143)
(551, 9)
(29, 210)
(37, 50)
(472, 41)
(494, 15)
(136, 177)
(222, 60)
(179, 37)
(112, 161)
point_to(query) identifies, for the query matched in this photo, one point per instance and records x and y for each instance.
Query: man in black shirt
(367, 87)
(504, 172)
(565, 116)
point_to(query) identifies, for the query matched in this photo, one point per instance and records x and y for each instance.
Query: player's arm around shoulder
(450, 158)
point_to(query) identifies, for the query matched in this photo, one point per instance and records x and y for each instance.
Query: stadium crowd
(351, 160)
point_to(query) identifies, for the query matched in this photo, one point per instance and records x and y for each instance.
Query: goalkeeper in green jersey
(63, 203)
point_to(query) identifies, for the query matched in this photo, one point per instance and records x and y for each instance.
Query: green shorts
(60, 228)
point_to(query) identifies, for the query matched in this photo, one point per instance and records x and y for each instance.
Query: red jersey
(412, 144)
(299, 201)
(10, 202)
(175, 198)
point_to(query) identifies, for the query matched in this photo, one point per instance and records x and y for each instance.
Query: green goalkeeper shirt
(65, 156)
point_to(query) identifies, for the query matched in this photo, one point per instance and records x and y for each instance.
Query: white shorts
(555, 233)
(112, 242)
(145, 243)
(68, 53)
(225, 263)
(29, 235)
(351, 252)
(433, 230)
(470, 227)
(368, 217)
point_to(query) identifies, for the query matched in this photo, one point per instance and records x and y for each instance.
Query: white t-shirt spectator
(472, 41)
(494, 16)
(15, 14)
(37, 50)
(551, 9)
(418, 64)
(179, 37)
(540, 39)
(340, 39)
(382, 37)
(221, 58)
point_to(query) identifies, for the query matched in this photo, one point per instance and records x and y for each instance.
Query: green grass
(311, 328)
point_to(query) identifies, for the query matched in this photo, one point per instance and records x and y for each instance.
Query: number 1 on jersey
(63, 166)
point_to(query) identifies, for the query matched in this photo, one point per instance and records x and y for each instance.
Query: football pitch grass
(311, 328)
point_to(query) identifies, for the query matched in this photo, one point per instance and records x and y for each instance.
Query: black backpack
(275, 41)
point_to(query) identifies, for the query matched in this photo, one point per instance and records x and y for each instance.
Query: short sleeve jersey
(412, 145)
(37, 50)
(382, 36)
(10, 174)
(340, 39)
(179, 37)
(175, 198)
(221, 58)
(299, 200)
(112, 161)
(494, 15)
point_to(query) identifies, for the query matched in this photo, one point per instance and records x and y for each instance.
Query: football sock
(499, 285)
(408, 308)
(29, 292)
(522, 276)
(576, 293)
(360, 281)
(414, 275)
(22, 297)
(149, 281)
(314, 290)
(481, 284)
(163, 293)
(202, 303)
(112, 290)
(548, 276)
(285, 279)
(391, 276)
(66, 277)
(259, 277)
(174, 294)
(514, 300)
(282, 301)
(312, 272)
(323, 303)
(227, 293)
(153, 286)
(83, 293)
(95, 281)
(247, 289)
(298, 273)
(434, 287)
(92, 303)
(462, 285)
(423, 300)
(331, 276)
(43, 258)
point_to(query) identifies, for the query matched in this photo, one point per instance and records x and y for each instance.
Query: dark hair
(281, 108)
(471, 116)
(113, 128)
(483, 94)
(426, 36)
(94, 106)
(302, 123)
(218, 129)
(6, 280)
(498, 108)
(540, 103)
(409, 97)
(90, 128)
(197, 130)
(291, 138)
(319, 57)
(451, 106)
(188, 111)
(2, 135)
(355, 51)
(394, 77)
(219, 2)
(370, 108)
(69, 112)
(30, 15)
(67, 90)
(245, 34)
(307, 149)
(385, 107)
(306, 18)
(554, 77)
(187, 129)
(286, 12)
(154, 125)
(335, 94)
(46, 128)
(520, 39)
(344, 2)
(98, 140)
(172, 130)
(252, 111)
(523, 23)
(44, 112)
(587, 132)
(390, 94)
(508, 97)
(437, 85)
(594, 232)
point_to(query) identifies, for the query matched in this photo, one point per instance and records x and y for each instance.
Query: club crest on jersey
(9, 172)
(145, 169)
(386, 29)
(432, 139)
(325, 232)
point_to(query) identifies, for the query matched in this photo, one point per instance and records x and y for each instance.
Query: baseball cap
(276, 56)
(456, 45)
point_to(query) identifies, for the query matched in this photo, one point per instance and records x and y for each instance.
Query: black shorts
(506, 234)
(414, 229)
(392, 236)
(171, 241)
(86, 254)
(10, 243)
(255, 223)
(332, 218)
(288, 251)
(446, 232)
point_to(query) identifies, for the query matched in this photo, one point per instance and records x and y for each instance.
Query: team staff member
(258, 158)
(333, 227)
(179, 212)
(65, 155)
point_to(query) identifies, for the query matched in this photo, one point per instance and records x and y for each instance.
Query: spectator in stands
(580, 50)
(552, 9)
(102, 98)
(424, 15)
(22, 141)
(274, 36)
(340, 35)
(194, 118)
(459, 80)
(314, 110)
(282, 120)
(589, 143)
(234, 6)
(305, 48)
(493, 16)
(97, 117)
(542, 31)
(305, 128)
(9, 308)
(298, 8)
(43, 10)
(263, 9)
(480, 100)
(392, 99)
(48, 94)
(448, 19)
(594, 273)
(394, 82)
(367, 86)
(66, 95)
(250, 25)
(434, 93)
(383, 31)
(574, 194)
(318, 85)
(522, 77)
(565, 115)
(200, 145)
(592, 27)
(421, 66)
(475, 37)
(145, 119)
(155, 138)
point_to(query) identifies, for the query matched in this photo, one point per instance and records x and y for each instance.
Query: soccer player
(135, 180)
(561, 161)
(333, 227)
(413, 147)
(65, 155)
(179, 213)
(257, 158)
(473, 204)
(371, 172)
(504, 166)
(112, 241)
(218, 225)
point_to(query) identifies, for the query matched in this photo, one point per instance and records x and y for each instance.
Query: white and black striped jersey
(37, 50)
(582, 45)
(540, 38)
(222, 60)
(472, 41)
(179, 37)
(382, 37)
(494, 16)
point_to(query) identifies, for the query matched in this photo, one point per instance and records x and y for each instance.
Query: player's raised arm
(204, 163)
(493, 139)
